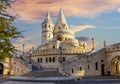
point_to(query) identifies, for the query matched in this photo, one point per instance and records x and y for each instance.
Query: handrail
(74, 58)
(36, 64)
(32, 61)
(21, 60)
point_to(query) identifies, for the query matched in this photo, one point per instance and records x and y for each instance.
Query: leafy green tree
(7, 31)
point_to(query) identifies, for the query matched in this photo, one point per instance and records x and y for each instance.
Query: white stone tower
(47, 29)
(61, 31)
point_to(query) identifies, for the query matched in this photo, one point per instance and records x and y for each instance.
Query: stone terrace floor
(86, 80)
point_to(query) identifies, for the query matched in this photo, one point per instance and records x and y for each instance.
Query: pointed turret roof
(48, 16)
(61, 18)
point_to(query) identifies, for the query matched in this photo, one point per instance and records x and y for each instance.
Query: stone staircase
(35, 65)
(44, 74)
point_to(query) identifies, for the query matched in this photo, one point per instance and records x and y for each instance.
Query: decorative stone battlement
(58, 44)
(20, 66)
(112, 48)
(57, 51)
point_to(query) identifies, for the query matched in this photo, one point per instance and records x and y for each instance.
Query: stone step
(34, 68)
(43, 73)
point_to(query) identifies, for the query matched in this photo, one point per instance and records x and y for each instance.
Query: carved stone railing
(21, 61)
(57, 51)
(36, 64)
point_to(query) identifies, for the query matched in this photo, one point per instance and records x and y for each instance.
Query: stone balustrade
(20, 66)
(112, 48)
(57, 51)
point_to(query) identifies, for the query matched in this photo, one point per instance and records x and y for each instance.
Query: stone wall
(112, 52)
(52, 60)
(86, 65)
(19, 67)
(6, 66)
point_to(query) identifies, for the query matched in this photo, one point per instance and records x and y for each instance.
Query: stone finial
(105, 44)
(48, 16)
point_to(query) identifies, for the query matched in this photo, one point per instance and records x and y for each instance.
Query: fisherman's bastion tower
(58, 44)
(60, 51)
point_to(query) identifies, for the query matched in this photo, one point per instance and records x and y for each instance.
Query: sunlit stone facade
(105, 61)
(5, 66)
(60, 50)
(58, 43)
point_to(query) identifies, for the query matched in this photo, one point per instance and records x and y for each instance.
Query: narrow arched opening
(1, 68)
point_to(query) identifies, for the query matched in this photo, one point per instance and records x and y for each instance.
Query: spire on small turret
(105, 44)
(61, 18)
(48, 16)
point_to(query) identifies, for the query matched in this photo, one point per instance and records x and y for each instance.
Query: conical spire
(48, 16)
(61, 18)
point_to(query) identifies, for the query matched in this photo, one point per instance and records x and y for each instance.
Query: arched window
(102, 60)
(117, 47)
(45, 25)
(53, 47)
(63, 59)
(53, 59)
(50, 59)
(65, 38)
(72, 70)
(46, 59)
(1, 68)
(96, 66)
(88, 67)
(22, 71)
(113, 48)
(38, 60)
(49, 36)
(80, 68)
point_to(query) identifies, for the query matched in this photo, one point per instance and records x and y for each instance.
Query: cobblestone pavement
(18, 82)
(3, 79)
(90, 80)
(94, 81)
(115, 81)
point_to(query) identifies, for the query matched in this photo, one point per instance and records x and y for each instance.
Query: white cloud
(119, 10)
(36, 9)
(95, 45)
(20, 47)
(23, 40)
(81, 27)
(27, 41)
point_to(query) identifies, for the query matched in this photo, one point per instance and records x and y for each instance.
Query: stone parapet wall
(57, 51)
(19, 67)
(112, 48)
(84, 65)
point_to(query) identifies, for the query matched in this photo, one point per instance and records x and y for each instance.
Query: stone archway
(116, 65)
(1, 68)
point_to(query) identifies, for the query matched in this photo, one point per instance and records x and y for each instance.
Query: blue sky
(99, 19)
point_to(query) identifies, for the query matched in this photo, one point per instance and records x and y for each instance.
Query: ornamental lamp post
(30, 56)
(23, 49)
(93, 44)
(30, 64)
(60, 58)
